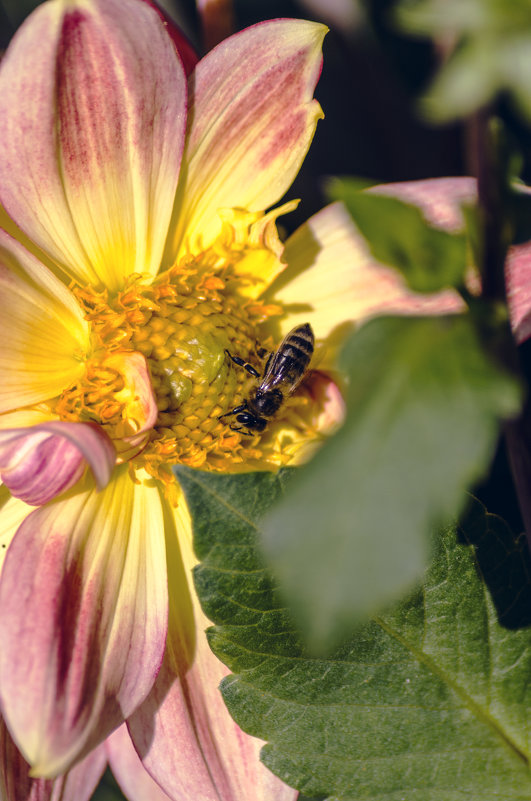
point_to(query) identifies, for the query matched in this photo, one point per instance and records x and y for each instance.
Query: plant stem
(217, 21)
(487, 161)
(491, 191)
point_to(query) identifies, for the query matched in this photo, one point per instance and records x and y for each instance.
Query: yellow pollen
(182, 323)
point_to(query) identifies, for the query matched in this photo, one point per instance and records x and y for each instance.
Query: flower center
(180, 326)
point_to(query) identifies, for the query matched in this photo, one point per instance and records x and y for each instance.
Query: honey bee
(285, 369)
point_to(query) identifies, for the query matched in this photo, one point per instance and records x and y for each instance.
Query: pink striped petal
(253, 119)
(518, 278)
(92, 117)
(42, 330)
(183, 733)
(440, 198)
(84, 619)
(187, 54)
(41, 462)
(134, 780)
(17, 785)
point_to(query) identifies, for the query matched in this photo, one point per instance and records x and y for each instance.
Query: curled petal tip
(41, 462)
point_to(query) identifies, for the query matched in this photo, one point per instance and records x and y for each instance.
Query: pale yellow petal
(186, 738)
(252, 121)
(92, 118)
(333, 283)
(43, 333)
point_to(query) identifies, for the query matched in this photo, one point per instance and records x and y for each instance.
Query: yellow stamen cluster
(182, 323)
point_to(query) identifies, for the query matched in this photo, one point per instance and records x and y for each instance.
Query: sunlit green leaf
(427, 702)
(353, 531)
(399, 235)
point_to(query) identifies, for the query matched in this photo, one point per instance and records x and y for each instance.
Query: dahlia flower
(137, 247)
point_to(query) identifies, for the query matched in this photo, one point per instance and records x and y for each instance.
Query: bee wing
(288, 365)
(274, 372)
(282, 372)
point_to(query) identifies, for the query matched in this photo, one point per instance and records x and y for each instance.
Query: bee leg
(240, 428)
(242, 363)
(262, 352)
(236, 409)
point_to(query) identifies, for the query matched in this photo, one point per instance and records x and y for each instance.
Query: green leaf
(427, 702)
(423, 408)
(107, 789)
(399, 235)
(493, 52)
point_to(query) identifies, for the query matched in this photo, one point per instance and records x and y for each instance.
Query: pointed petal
(92, 115)
(42, 330)
(17, 785)
(440, 198)
(253, 119)
(81, 781)
(134, 780)
(332, 282)
(187, 54)
(84, 617)
(39, 463)
(183, 732)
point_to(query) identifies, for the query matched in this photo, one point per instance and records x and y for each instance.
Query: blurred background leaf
(398, 235)
(488, 45)
(423, 409)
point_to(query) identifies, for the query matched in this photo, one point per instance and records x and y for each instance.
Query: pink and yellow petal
(43, 333)
(84, 618)
(99, 95)
(518, 278)
(16, 783)
(134, 780)
(333, 282)
(183, 732)
(41, 462)
(253, 118)
(187, 54)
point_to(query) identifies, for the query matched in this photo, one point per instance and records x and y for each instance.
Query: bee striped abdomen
(291, 360)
